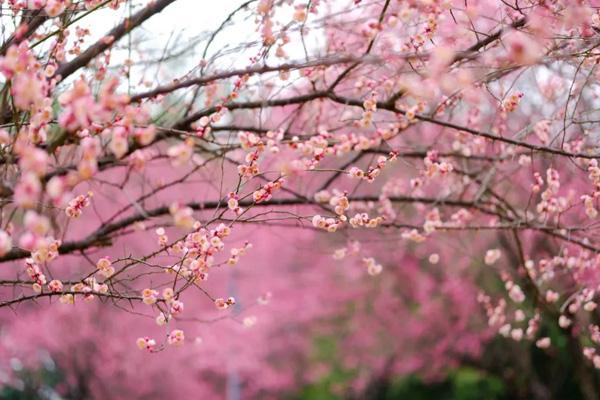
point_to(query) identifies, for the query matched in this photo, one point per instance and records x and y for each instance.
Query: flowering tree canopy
(423, 173)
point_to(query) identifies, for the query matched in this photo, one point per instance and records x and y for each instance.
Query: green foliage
(463, 383)
(337, 378)
(33, 384)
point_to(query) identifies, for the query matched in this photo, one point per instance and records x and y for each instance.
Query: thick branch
(112, 37)
(101, 235)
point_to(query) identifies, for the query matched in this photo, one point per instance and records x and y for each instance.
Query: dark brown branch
(101, 236)
(114, 35)
(33, 20)
(257, 69)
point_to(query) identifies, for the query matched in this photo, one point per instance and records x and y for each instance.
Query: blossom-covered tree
(410, 177)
